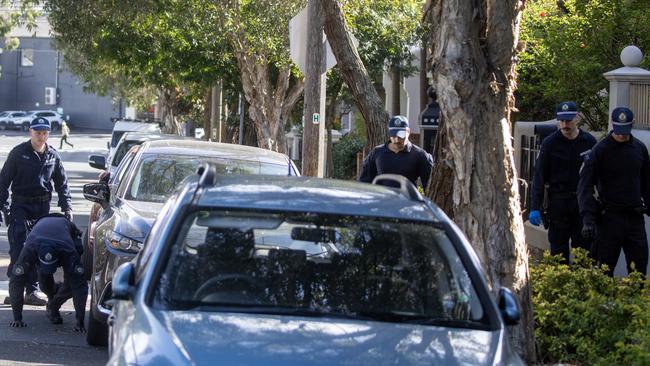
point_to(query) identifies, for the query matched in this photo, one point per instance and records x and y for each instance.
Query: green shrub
(584, 317)
(344, 156)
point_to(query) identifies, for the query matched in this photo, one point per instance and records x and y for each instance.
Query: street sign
(315, 118)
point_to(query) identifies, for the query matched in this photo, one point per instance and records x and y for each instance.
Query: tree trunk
(312, 97)
(270, 102)
(168, 99)
(396, 85)
(441, 184)
(355, 74)
(474, 43)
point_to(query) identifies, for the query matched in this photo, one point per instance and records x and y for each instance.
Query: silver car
(263, 270)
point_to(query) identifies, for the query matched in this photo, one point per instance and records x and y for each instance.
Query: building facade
(34, 77)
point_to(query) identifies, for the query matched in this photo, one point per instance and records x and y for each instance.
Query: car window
(4, 114)
(117, 135)
(158, 175)
(121, 151)
(329, 265)
(19, 114)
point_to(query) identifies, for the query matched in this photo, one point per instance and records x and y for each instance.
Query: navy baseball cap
(566, 111)
(48, 258)
(40, 124)
(397, 126)
(622, 120)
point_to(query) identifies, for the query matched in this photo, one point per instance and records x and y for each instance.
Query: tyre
(3, 126)
(87, 256)
(97, 334)
(25, 126)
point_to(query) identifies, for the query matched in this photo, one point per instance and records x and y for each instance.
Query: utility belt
(636, 210)
(562, 195)
(31, 199)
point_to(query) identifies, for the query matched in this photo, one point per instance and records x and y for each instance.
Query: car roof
(43, 110)
(147, 136)
(213, 149)
(315, 195)
(135, 126)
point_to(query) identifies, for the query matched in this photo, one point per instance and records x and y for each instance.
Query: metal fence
(640, 104)
(529, 151)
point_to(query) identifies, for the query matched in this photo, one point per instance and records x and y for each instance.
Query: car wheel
(87, 256)
(25, 126)
(3, 126)
(97, 334)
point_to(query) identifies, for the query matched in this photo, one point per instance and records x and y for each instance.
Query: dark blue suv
(305, 271)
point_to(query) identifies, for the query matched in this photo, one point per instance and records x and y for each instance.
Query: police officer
(557, 170)
(30, 170)
(618, 170)
(53, 242)
(398, 156)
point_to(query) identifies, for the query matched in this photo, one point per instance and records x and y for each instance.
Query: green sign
(315, 118)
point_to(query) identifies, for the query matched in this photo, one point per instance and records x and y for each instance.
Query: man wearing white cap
(398, 156)
(618, 169)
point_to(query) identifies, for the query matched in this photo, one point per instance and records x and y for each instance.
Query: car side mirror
(97, 161)
(124, 281)
(509, 307)
(97, 192)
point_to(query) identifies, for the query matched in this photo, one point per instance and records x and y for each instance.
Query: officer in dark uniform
(53, 242)
(30, 170)
(557, 170)
(618, 171)
(398, 156)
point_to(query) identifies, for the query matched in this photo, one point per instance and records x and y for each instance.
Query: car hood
(136, 217)
(205, 338)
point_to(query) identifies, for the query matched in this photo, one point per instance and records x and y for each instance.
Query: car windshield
(157, 176)
(311, 265)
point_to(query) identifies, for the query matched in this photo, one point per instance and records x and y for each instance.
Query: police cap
(622, 120)
(40, 124)
(566, 111)
(397, 126)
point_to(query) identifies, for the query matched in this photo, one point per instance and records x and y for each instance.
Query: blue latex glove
(535, 217)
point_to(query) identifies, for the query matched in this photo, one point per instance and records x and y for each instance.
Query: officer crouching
(53, 242)
(618, 169)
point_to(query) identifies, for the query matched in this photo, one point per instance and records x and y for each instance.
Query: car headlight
(124, 244)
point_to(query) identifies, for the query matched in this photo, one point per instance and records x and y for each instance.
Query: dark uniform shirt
(31, 174)
(63, 238)
(412, 162)
(620, 171)
(559, 165)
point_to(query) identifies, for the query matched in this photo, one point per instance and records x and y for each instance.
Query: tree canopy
(569, 44)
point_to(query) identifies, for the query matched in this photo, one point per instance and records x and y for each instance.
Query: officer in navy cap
(398, 156)
(53, 242)
(557, 171)
(33, 170)
(618, 171)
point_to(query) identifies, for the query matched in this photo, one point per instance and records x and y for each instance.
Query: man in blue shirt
(398, 156)
(30, 170)
(618, 169)
(557, 168)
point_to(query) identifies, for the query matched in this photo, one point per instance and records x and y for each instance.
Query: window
(27, 57)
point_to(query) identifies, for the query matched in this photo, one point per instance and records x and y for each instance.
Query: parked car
(137, 193)
(123, 151)
(55, 118)
(122, 126)
(9, 119)
(274, 271)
